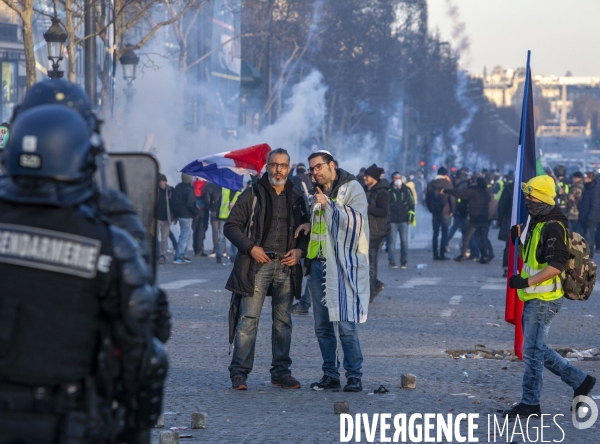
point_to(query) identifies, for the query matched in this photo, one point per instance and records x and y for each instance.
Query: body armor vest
(55, 265)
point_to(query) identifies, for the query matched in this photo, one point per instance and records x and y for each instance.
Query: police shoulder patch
(49, 250)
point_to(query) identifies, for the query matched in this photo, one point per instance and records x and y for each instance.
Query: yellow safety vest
(225, 201)
(499, 193)
(548, 290)
(318, 231)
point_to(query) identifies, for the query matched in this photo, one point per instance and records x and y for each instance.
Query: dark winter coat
(301, 180)
(184, 201)
(505, 211)
(478, 198)
(212, 197)
(378, 200)
(401, 202)
(440, 203)
(589, 205)
(248, 225)
(462, 206)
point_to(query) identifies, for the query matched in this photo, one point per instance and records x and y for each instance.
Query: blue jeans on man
(536, 320)
(277, 275)
(440, 223)
(185, 226)
(325, 331)
(402, 229)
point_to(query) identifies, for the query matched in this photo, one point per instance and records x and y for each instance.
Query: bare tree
(24, 9)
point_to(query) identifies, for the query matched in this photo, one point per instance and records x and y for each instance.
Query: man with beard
(339, 242)
(544, 253)
(262, 225)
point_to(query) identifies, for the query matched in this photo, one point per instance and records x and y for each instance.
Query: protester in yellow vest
(228, 199)
(544, 253)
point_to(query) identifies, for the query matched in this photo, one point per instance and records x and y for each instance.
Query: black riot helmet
(60, 92)
(50, 142)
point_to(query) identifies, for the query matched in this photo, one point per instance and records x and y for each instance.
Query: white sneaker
(212, 255)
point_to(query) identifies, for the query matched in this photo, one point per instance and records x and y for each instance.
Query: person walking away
(164, 216)
(478, 199)
(402, 213)
(263, 226)
(228, 199)
(460, 219)
(544, 253)
(573, 199)
(184, 207)
(212, 198)
(199, 224)
(340, 296)
(442, 207)
(505, 217)
(65, 316)
(378, 201)
(589, 210)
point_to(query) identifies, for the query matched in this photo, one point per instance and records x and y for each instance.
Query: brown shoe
(239, 383)
(286, 382)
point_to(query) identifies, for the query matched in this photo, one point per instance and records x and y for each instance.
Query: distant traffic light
(422, 163)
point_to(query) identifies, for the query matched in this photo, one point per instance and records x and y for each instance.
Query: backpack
(435, 201)
(580, 270)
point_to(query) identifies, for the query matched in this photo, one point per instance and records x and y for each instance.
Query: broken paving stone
(408, 381)
(340, 407)
(160, 422)
(168, 437)
(199, 420)
(381, 390)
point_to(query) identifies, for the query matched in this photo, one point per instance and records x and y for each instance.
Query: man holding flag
(539, 286)
(534, 295)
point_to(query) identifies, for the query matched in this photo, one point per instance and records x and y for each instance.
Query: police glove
(518, 282)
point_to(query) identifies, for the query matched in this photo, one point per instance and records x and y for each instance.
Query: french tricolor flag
(227, 169)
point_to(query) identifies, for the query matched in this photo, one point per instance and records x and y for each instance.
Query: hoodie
(437, 203)
(552, 248)
(378, 200)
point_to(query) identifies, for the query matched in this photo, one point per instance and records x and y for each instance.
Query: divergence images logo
(582, 412)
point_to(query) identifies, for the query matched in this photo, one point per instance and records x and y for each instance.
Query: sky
(563, 35)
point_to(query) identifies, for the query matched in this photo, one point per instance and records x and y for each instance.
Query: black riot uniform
(79, 358)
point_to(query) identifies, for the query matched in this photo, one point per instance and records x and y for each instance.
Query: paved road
(420, 314)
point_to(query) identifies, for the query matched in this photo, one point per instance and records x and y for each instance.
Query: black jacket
(479, 200)
(184, 201)
(212, 197)
(401, 202)
(505, 211)
(589, 205)
(555, 253)
(379, 209)
(302, 178)
(247, 226)
(437, 203)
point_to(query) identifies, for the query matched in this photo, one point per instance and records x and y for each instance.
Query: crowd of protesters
(295, 222)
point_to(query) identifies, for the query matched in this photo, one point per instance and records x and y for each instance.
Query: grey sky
(561, 34)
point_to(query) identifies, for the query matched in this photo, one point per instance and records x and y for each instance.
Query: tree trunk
(28, 43)
(72, 42)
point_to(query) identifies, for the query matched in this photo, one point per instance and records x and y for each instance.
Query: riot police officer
(79, 360)
(111, 203)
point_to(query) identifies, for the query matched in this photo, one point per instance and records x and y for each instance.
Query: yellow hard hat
(542, 188)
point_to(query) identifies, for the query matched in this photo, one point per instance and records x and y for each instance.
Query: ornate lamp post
(55, 39)
(129, 61)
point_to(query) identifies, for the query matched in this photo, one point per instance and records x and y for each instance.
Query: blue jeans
(402, 229)
(305, 300)
(277, 275)
(537, 317)
(185, 225)
(440, 223)
(325, 332)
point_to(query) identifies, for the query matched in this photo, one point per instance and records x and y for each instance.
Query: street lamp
(129, 61)
(55, 39)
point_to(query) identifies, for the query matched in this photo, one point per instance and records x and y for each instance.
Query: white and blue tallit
(347, 288)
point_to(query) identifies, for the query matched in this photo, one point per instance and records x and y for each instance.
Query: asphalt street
(422, 313)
